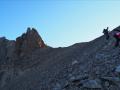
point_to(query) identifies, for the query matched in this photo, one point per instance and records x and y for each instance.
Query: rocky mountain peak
(29, 41)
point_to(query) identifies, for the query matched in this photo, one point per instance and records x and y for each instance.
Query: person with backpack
(106, 33)
(117, 37)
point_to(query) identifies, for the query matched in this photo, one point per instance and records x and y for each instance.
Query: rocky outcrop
(10, 50)
(28, 42)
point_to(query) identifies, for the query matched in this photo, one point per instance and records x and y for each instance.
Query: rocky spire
(29, 41)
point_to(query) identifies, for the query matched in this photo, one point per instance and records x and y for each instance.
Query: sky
(60, 23)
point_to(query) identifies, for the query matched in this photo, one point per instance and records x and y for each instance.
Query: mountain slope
(83, 66)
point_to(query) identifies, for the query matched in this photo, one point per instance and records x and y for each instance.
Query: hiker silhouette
(106, 33)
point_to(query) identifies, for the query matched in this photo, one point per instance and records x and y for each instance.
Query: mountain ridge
(82, 66)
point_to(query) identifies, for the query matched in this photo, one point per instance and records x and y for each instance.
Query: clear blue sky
(59, 22)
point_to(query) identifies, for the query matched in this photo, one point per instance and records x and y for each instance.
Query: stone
(77, 79)
(112, 80)
(74, 62)
(92, 84)
(66, 85)
(57, 87)
(107, 84)
(72, 78)
(117, 69)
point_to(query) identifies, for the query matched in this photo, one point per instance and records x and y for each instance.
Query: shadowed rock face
(7, 48)
(93, 65)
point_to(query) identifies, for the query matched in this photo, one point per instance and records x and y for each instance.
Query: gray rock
(74, 62)
(57, 87)
(117, 69)
(66, 85)
(77, 79)
(107, 84)
(112, 80)
(72, 78)
(92, 84)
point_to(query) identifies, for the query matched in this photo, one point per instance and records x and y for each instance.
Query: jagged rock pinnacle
(29, 41)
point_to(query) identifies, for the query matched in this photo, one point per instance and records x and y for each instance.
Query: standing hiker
(106, 33)
(117, 37)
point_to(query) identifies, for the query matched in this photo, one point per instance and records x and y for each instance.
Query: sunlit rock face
(28, 42)
(11, 50)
